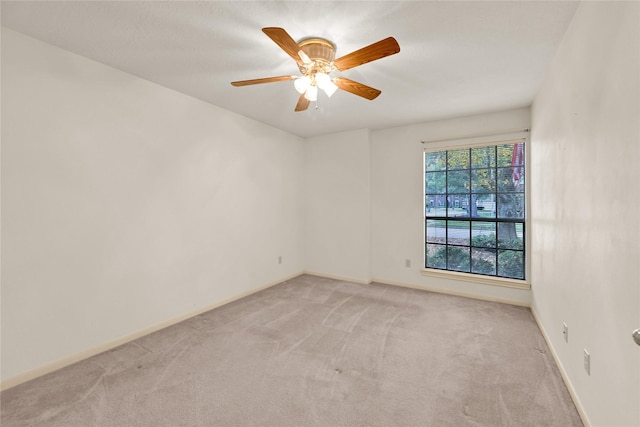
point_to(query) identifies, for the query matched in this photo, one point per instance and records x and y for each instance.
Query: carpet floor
(313, 351)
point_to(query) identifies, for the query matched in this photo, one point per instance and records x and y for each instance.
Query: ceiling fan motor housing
(321, 52)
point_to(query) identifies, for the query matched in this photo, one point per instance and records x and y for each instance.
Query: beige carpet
(315, 352)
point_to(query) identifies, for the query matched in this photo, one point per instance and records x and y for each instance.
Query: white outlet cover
(587, 362)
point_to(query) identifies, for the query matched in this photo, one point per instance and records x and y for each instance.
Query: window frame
(451, 145)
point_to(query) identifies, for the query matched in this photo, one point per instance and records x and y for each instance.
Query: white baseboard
(77, 357)
(337, 277)
(424, 288)
(451, 292)
(563, 373)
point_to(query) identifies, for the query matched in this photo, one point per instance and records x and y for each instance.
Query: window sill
(476, 278)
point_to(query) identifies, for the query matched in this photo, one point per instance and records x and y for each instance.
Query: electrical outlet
(587, 362)
(407, 263)
(565, 332)
(280, 259)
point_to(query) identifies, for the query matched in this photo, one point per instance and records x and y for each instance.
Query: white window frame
(473, 142)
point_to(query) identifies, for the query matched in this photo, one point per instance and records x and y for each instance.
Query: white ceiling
(457, 58)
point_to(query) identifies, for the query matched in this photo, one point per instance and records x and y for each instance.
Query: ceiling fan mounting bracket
(317, 48)
(321, 52)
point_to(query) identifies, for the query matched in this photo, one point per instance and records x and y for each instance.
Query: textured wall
(125, 204)
(586, 205)
(338, 205)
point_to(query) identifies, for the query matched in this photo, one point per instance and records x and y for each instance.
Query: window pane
(510, 236)
(458, 258)
(458, 233)
(436, 256)
(511, 264)
(511, 179)
(483, 261)
(435, 205)
(483, 157)
(483, 181)
(484, 234)
(471, 197)
(486, 205)
(511, 205)
(458, 159)
(436, 231)
(473, 207)
(505, 154)
(458, 181)
(436, 182)
(517, 157)
(458, 205)
(435, 161)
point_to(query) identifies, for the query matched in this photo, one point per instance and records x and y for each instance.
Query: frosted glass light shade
(302, 84)
(330, 88)
(312, 93)
(323, 80)
(325, 83)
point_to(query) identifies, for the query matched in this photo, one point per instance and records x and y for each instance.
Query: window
(475, 210)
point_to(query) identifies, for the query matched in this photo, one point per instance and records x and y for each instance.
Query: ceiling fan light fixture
(312, 93)
(301, 84)
(326, 84)
(322, 79)
(330, 89)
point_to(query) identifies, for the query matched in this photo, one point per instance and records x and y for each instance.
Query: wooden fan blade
(386, 47)
(303, 103)
(357, 88)
(265, 80)
(285, 41)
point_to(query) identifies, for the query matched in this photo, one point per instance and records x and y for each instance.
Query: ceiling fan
(315, 59)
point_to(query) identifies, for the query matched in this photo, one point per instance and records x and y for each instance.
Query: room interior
(140, 189)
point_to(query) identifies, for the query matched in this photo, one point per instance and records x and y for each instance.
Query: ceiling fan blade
(285, 41)
(265, 80)
(377, 50)
(357, 88)
(303, 103)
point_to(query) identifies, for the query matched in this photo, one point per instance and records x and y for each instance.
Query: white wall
(398, 201)
(586, 208)
(338, 205)
(126, 204)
